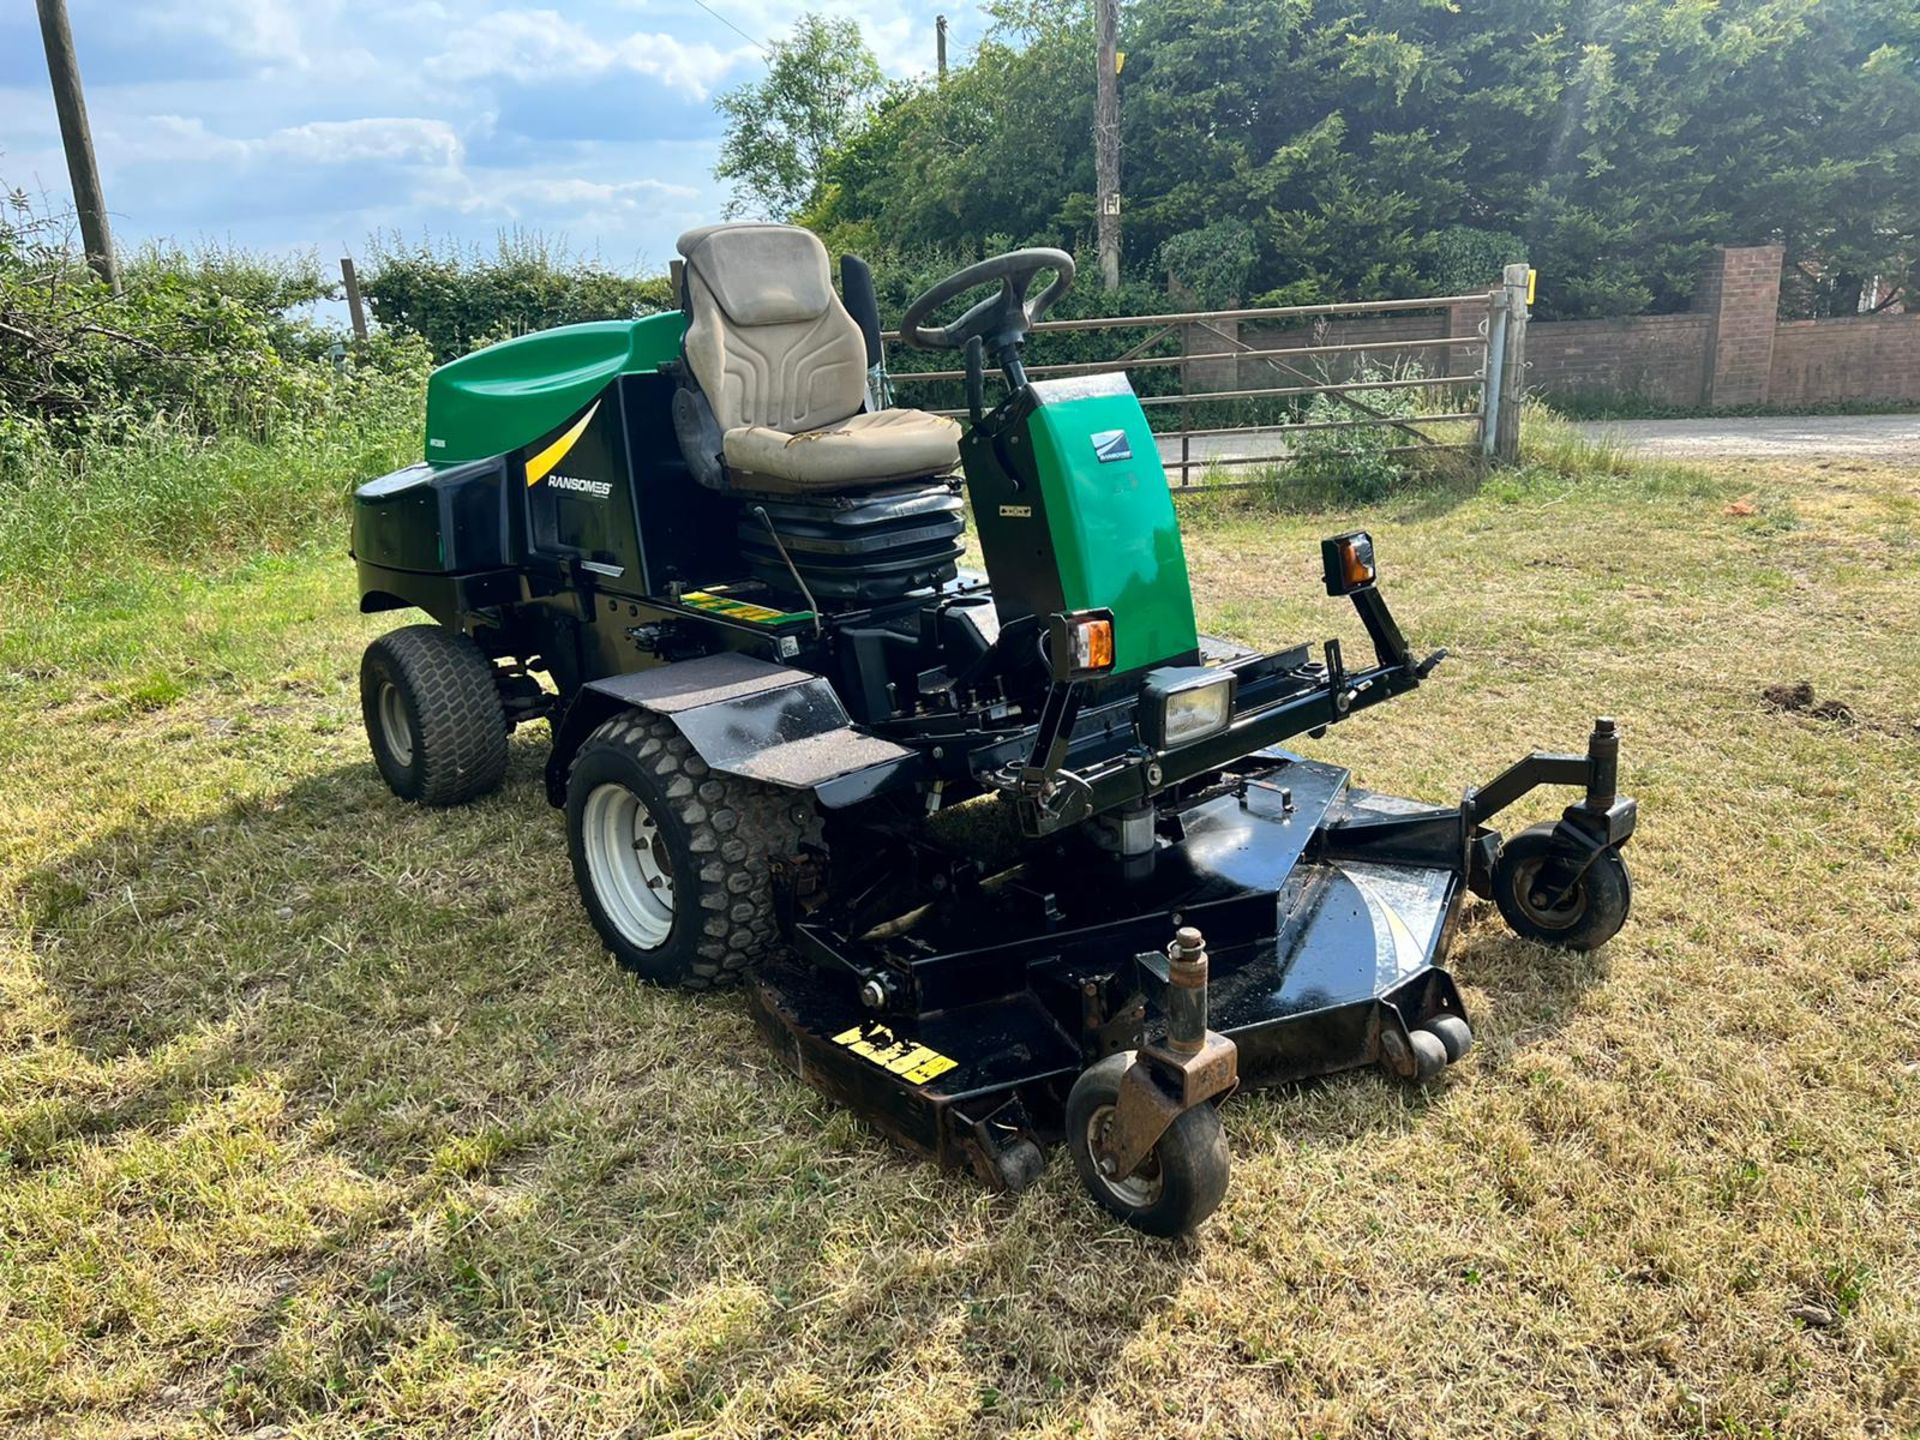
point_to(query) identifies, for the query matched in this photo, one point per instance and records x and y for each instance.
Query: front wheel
(674, 862)
(1180, 1183)
(1584, 919)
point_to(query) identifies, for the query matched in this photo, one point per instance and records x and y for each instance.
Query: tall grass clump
(199, 412)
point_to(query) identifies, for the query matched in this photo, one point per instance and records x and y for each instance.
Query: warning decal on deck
(915, 1064)
(730, 609)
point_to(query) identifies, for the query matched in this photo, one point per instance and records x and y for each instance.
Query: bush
(1358, 464)
(201, 343)
(200, 411)
(91, 512)
(1213, 263)
(460, 298)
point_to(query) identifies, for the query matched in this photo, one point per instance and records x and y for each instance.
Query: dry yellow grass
(323, 1113)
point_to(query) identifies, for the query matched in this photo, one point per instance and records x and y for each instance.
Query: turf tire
(720, 835)
(436, 685)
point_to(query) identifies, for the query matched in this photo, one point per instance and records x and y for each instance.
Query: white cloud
(177, 139)
(516, 197)
(269, 30)
(336, 142)
(542, 45)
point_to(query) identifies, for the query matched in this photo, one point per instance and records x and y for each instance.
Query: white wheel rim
(1136, 1191)
(627, 862)
(394, 730)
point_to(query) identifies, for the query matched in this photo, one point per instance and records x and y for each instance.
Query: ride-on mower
(1004, 859)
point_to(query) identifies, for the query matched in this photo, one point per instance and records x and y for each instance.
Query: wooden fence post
(1513, 370)
(355, 308)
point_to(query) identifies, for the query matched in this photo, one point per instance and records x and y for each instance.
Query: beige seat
(784, 368)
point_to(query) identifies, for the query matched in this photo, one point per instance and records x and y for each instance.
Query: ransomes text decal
(598, 489)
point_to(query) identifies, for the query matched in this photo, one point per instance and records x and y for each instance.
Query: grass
(323, 1113)
(91, 523)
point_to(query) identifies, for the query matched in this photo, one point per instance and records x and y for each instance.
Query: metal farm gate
(1226, 373)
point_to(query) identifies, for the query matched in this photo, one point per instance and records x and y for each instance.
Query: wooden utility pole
(63, 68)
(1106, 141)
(940, 43)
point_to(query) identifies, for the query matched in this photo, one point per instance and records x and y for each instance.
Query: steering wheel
(999, 319)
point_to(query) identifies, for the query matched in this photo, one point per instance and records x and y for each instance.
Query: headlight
(1181, 704)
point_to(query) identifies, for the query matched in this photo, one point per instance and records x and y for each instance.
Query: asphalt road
(1827, 437)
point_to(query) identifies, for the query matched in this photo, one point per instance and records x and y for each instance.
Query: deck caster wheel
(1418, 1055)
(1585, 919)
(1179, 1184)
(1019, 1165)
(1429, 1054)
(1454, 1034)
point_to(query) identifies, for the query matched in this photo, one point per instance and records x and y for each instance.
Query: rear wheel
(1584, 919)
(675, 862)
(1182, 1180)
(433, 715)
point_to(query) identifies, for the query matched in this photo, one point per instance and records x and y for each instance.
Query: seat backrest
(767, 338)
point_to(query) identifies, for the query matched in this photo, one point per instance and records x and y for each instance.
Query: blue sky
(297, 124)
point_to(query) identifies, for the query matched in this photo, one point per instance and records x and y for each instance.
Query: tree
(819, 88)
(1394, 147)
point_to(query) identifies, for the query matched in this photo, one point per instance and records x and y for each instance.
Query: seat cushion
(870, 448)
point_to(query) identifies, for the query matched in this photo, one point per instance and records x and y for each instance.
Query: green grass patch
(325, 1115)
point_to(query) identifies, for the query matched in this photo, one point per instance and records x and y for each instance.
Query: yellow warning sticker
(732, 609)
(915, 1064)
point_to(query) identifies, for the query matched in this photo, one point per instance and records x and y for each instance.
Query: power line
(762, 48)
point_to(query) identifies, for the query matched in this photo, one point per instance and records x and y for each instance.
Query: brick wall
(1732, 350)
(1864, 357)
(1655, 357)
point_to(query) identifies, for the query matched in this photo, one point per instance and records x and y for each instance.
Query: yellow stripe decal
(539, 466)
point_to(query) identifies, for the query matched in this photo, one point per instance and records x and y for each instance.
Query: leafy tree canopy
(1390, 147)
(782, 127)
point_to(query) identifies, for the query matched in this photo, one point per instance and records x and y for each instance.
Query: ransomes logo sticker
(596, 489)
(1111, 445)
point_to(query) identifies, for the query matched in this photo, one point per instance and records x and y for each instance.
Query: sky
(291, 125)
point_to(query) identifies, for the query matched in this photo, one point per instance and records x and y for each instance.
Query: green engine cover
(1071, 504)
(508, 395)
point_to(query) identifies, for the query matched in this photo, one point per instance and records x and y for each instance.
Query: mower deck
(1320, 963)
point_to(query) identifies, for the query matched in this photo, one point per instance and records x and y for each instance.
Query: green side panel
(508, 395)
(1116, 538)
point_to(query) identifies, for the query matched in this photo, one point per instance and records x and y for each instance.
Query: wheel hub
(1136, 1191)
(628, 862)
(1537, 903)
(395, 732)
